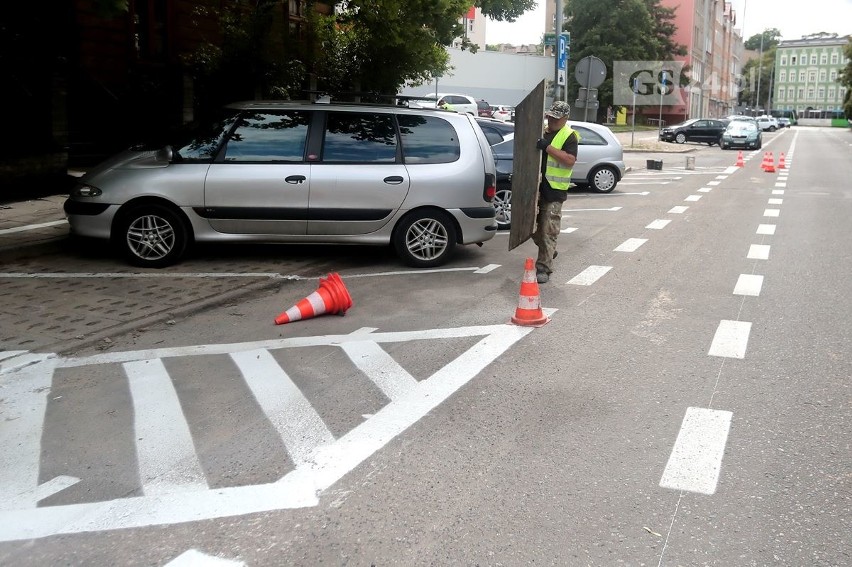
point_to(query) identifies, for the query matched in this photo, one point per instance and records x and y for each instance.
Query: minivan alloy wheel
(425, 239)
(153, 236)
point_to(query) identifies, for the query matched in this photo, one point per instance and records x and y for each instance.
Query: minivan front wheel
(152, 236)
(425, 239)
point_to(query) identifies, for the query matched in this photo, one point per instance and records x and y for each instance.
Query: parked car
(483, 109)
(741, 117)
(496, 130)
(784, 122)
(502, 112)
(459, 102)
(742, 134)
(767, 123)
(703, 130)
(600, 165)
(420, 180)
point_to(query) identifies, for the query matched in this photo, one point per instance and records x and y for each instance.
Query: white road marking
(568, 230)
(780, 184)
(31, 227)
(713, 183)
(768, 229)
(194, 558)
(705, 189)
(720, 177)
(731, 339)
(693, 198)
(771, 212)
(590, 275)
(649, 182)
(659, 224)
(696, 459)
(487, 269)
(678, 210)
(630, 245)
(777, 191)
(776, 202)
(5, 354)
(758, 252)
(748, 284)
(55, 486)
(385, 372)
(611, 209)
(298, 425)
(164, 447)
(732, 169)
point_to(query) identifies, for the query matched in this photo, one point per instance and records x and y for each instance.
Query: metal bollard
(690, 162)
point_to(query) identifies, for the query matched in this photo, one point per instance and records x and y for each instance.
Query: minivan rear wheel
(152, 236)
(425, 239)
(503, 208)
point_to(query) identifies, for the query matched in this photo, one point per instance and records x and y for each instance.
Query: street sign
(590, 72)
(550, 38)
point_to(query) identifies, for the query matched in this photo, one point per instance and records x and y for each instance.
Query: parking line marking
(696, 458)
(584, 210)
(678, 210)
(771, 212)
(487, 269)
(758, 252)
(568, 230)
(705, 189)
(776, 202)
(777, 191)
(194, 558)
(630, 245)
(693, 198)
(659, 224)
(768, 229)
(31, 227)
(164, 448)
(590, 275)
(780, 184)
(731, 169)
(731, 339)
(748, 284)
(714, 183)
(721, 177)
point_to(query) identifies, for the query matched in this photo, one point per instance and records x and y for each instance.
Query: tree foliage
(771, 38)
(757, 80)
(845, 79)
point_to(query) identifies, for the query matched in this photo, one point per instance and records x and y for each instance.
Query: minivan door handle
(295, 179)
(393, 179)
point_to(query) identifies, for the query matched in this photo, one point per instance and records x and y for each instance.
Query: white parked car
(459, 102)
(769, 123)
(503, 112)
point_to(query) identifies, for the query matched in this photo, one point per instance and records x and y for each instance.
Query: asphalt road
(688, 403)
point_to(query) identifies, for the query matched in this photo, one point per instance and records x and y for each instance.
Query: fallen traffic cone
(781, 162)
(529, 313)
(330, 297)
(740, 161)
(770, 165)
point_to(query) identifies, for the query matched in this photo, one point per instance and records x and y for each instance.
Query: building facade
(806, 76)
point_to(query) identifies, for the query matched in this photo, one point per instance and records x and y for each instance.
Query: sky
(753, 16)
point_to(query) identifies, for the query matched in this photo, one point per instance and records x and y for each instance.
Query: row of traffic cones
(768, 164)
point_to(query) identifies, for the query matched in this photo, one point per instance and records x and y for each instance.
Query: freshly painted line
(780, 184)
(630, 245)
(731, 339)
(584, 210)
(659, 224)
(732, 169)
(721, 177)
(55, 486)
(693, 198)
(771, 212)
(31, 227)
(298, 425)
(568, 230)
(696, 459)
(164, 447)
(775, 202)
(22, 359)
(487, 269)
(758, 252)
(194, 558)
(748, 284)
(377, 365)
(678, 210)
(6, 354)
(777, 191)
(768, 229)
(93, 275)
(649, 182)
(590, 275)
(713, 183)
(705, 189)
(24, 405)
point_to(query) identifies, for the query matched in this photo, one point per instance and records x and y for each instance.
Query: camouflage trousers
(548, 224)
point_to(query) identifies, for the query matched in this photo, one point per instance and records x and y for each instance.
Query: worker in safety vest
(559, 145)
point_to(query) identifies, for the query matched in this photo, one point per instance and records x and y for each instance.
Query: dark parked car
(496, 131)
(483, 109)
(702, 130)
(742, 134)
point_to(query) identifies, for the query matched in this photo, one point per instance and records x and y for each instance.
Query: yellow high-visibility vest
(557, 175)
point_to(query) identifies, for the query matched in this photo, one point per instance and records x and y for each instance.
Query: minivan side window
(428, 139)
(360, 138)
(269, 137)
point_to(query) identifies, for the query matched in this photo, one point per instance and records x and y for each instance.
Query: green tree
(618, 30)
(845, 80)
(771, 38)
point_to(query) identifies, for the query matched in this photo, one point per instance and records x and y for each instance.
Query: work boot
(542, 277)
(555, 254)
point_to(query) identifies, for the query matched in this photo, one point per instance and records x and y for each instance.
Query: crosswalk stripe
(386, 373)
(164, 447)
(299, 425)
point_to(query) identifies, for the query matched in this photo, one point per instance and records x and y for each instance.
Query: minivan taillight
(490, 187)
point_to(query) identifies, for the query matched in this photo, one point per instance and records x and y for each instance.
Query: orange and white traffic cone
(770, 164)
(782, 164)
(529, 313)
(740, 161)
(331, 297)
(765, 161)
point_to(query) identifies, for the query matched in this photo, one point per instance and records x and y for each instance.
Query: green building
(806, 76)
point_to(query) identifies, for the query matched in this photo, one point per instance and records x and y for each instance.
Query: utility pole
(759, 71)
(557, 88)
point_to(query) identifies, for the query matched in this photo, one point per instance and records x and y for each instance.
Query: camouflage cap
(558, 110)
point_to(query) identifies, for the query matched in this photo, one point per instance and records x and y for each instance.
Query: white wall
(499, 78)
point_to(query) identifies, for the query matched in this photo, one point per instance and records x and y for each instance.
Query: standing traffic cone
(740, 161)
(781, 163)
(529, 313)
(765, 161)
(770, 165)
(330, 297)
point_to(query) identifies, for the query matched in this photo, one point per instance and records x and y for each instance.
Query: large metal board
(526, 169)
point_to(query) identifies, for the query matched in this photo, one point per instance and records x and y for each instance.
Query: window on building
(801, 76)
(834, 58)
(823, 59)
(149, 28)
(784, 61)
(831, 93)
(821, 93)
(791, 92)
(813, 59)
(800, 93)
(792, 60)
(782, 76)
(822, 76)
(812, 76)
(832, 76)
(781, 92)
(810, 94)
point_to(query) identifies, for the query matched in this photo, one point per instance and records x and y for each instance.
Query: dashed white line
(705, 189)
(693, 198)
(678, 210)
(768, 229)
(713, 183)
(696, 459)
(748, 284)
(771, 212)
(758, 252)
(731, 339)
(568, 230)
(777, 191)
(590, 275)
(630, 245)
(659, 224)
(775, 202)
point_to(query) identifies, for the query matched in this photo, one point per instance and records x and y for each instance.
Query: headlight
(85, 191)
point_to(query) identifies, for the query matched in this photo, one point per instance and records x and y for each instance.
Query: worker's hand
(542, 144)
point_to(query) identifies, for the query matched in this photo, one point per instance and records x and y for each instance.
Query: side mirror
(165, 154)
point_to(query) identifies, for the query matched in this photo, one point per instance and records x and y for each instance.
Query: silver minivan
(420, 180)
